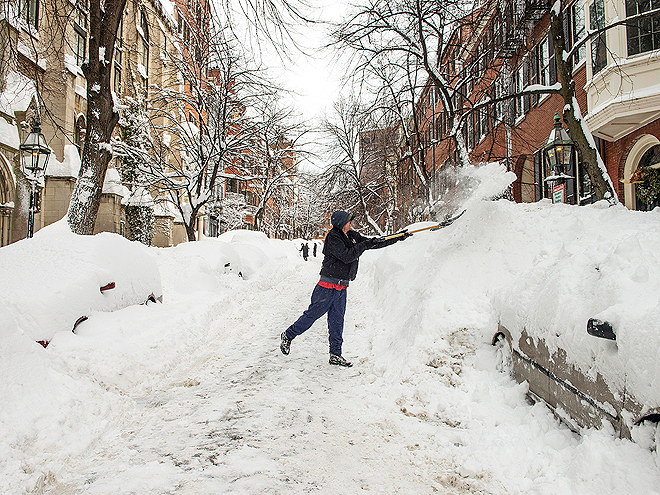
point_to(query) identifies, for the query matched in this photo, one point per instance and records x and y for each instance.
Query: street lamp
(558, 153)
(34, 158)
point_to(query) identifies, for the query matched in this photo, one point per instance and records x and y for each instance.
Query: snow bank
(547, 268)
(51, 280)
(430, 306)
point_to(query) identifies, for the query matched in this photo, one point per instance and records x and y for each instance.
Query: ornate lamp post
(34, 158)
(558, 153)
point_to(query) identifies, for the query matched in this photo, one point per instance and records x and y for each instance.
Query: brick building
(507, 50)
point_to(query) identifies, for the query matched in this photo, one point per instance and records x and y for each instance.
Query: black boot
(285, 345)
(339, 361)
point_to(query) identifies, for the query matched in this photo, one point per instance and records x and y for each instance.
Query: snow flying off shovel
(442, 224)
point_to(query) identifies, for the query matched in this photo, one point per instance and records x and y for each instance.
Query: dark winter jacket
(341, 252)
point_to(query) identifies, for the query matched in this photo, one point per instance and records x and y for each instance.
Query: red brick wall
(616, 153)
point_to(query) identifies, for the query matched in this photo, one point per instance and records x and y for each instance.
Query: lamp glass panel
(568, 151)
(552, 157)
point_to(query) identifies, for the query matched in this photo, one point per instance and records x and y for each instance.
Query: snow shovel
(442, 224)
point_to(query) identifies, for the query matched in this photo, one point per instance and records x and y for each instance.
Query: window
(599, 43)
(477, 126)
(480, 123)
(498, 107)
(470, 132)
(145, 43)
(29, 12)
(80, 30)
(643, 34)
(522, 102)
(80, 46)
(534, 72)
(484, 121)
(587, 190)
(538, 175)
(578, 31)
(119, 46)
(232, 185)
(547, 67)
(79, 133)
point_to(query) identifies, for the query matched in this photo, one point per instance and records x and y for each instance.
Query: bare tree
(311, 207)
(278, 152)
(102, 117)
(412, 36)
(415, 35)
(359, 183)
(203, 129)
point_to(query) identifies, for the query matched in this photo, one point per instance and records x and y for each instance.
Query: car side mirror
(601, 329)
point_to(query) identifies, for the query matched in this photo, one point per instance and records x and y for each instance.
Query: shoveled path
(243, 418)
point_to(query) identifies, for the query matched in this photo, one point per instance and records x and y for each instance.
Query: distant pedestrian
(305, 251)
(314, 250)
(343, 246)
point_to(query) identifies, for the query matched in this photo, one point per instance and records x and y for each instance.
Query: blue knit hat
(340, 218)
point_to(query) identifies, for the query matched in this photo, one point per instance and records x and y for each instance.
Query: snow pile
(602, 263)
(438, 298)
(547, 268)
(202, 266)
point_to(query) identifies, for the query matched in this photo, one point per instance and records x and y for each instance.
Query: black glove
(405, 235)
(378, 240)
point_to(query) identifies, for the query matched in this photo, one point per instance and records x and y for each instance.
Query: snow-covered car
(581, 399)
(582, 328)
(54, 281)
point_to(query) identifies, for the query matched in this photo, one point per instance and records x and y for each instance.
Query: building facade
(43, 45)
(497, 63)
(377, 165)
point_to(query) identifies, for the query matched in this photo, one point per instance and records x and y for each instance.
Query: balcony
(624, 97)
(516, 23)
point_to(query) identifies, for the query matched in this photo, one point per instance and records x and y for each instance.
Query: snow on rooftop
(9, 134)
(18, 94)
(139, 197)
(69, 167)
(113, 183)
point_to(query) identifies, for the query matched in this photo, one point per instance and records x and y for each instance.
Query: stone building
(43, 45)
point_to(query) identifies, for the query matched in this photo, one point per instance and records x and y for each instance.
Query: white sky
(316, 75)
(313, 75)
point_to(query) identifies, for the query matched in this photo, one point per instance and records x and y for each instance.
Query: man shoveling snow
(342, 249)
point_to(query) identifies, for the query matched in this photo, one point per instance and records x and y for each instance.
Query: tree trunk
(101, 115)
(585, 145)
(190, 229)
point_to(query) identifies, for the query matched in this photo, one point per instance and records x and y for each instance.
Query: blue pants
(324, 301)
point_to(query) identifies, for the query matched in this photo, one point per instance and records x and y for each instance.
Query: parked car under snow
(55, 280)
(582, 328)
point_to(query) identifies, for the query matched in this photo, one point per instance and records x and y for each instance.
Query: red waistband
(329, 285)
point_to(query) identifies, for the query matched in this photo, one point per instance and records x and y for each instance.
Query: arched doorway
(7, 200)
(645, 153)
